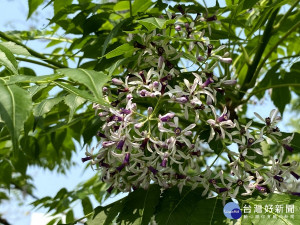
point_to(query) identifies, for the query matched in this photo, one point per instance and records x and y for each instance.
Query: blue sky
(13, 16)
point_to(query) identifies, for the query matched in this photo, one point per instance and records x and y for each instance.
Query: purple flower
(144, 143)
(223, 117)
(181, 100)
(154, 171)
(261, 189)
(126, 159)
(207, 82)
(99, 134)
(209, 49)
(167, 117)
(178, 27)
(179, 176)
(164, 162)
(125, 111)
(226, 60)
(117, 81)
(287, 147)
(120, 144)
(279, 178)
(106, 144)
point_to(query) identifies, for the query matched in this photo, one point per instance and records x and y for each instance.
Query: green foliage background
(37, 128)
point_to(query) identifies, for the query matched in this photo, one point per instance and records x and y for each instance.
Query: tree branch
(4, 221)
(31, 51)
(36, 62)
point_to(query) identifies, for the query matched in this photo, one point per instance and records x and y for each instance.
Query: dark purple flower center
(120, 144)
(125, 111)
(279, 178)
(223, 118)
(287, 147)
(109, 190)
(212, 181)
(295, 175)
(144, 143)
(99, 134)
(212, 18)
(268, 121)
(126, 159)
(196, 153)
(177, 131)
(242, 131)
(221, 190)
(261, 189)
(242, 158)
(250, 141)
(86, 158)
(179, 176)
(153, 170)
(240, 182)
(209, 49)
(164, 162)
(160, 51)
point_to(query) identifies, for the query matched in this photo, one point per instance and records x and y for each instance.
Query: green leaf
(153, 23)
(87, 205)
(93, 80)
(33, 5)
(32, 79)
(5, 172)
(59, 4)
(45, 106)
(15, 106)
(81, 93)
(246, 4)
(125, 48)
(188, 207)
(281, 97)
(274, 217)
(111, 35)
(99, 217)
(150, 202)
(137, 206)
(141, 6)
(73, 101)
(15, 49)
(91, 129)
(8, 60)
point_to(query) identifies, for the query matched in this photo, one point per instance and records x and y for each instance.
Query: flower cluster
(152, 130)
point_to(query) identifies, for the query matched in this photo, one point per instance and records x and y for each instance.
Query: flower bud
(117, 81)
(178, 28)
(226, 60)
(149, 110)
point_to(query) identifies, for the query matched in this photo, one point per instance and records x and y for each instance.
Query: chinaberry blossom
(154, 129)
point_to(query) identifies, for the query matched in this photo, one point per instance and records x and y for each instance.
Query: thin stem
(31, 51)
(36, 62)
(130, 8)
(269, 87)
(53, 39)
(217, 157)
